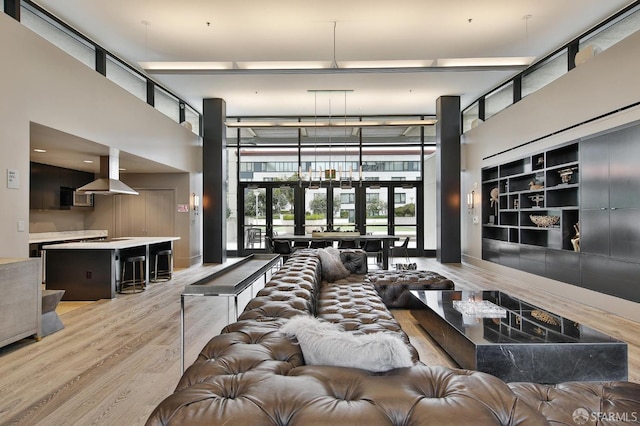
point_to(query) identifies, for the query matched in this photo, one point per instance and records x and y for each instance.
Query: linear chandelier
(294, 123)
(343, 176)
(337, 67)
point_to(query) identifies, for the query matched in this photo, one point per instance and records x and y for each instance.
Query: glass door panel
(376, 205)
(315, 216)
(344, 209)
(282, 208)
(255, 224)
(404, 214)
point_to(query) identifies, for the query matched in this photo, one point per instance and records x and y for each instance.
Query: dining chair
(401, 250)
(374, 246)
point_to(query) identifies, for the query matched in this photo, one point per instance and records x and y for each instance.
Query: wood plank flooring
(115, 360)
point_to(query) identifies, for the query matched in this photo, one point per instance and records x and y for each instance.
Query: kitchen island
(91, 270)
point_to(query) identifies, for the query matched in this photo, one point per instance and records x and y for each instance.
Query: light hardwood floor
(115, 360)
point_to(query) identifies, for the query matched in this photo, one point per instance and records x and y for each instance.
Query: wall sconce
(471, 200)
(196, 202)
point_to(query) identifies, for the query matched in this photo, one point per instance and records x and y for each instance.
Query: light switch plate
(21, 226)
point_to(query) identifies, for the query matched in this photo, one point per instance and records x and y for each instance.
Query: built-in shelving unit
(544, 184)
(593, 182)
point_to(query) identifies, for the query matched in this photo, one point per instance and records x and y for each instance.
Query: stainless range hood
(108, 182)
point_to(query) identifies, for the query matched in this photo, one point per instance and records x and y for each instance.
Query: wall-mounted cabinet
(610, 213)
(533, 208)
(46, 182)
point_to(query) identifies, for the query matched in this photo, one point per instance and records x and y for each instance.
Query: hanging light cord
(335, 63)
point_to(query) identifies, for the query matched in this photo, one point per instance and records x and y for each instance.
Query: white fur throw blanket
(324, 343)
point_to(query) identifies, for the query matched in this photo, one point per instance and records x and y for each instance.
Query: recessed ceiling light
(283, 65)
(485, 62)
(181, 66)
(423, 63)
(40, 150)
(88, 161)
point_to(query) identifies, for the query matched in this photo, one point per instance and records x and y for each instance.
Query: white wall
(605, 83)
(42, 84)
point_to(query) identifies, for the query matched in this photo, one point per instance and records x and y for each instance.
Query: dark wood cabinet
(624, 170)
(46, 182)
(595, 183)
(594, 237)
(610, 209)
(44, 187)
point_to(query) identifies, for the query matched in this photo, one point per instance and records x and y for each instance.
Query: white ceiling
(303, 30)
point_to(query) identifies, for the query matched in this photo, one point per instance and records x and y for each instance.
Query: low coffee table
(517, 341)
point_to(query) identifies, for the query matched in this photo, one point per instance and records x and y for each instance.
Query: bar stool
(131, 286)
(162, 274)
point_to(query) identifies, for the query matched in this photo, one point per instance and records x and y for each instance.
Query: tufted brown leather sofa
(355, 260)
(252, 374)
(394, 287)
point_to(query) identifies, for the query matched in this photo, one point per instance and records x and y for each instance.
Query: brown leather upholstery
(394, 286)
(251, 374)
(558, 403)
(355, 260)
(358, 309)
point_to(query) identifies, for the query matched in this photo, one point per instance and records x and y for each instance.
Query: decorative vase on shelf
(575, 241)
(534, 186)
(544, 221)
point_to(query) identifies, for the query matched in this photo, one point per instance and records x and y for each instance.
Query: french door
(271, 209)
(267, 211)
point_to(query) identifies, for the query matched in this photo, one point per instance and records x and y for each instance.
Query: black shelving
(542, 184)
(592, 185)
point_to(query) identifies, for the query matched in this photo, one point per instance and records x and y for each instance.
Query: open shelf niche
(545, 186)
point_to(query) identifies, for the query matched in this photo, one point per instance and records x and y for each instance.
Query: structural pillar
(214, 175)
(448, 179)
(12, 8)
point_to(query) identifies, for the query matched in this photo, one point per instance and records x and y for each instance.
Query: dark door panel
(594, 232)
(625, 234)
(610, 276)
(624, 172)
(594, 173)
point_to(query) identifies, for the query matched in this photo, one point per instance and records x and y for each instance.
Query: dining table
(387, 240)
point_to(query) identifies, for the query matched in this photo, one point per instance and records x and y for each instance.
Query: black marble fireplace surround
(529, 344)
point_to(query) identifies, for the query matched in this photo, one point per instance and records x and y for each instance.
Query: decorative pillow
(332, 267)
(324, 343)
(355, 260)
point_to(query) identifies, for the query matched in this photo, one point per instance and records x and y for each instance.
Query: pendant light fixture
(342, 173)
(333, 170)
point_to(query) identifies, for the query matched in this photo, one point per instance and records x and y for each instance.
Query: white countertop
(116, 243)
(49, 237)
(12, 260)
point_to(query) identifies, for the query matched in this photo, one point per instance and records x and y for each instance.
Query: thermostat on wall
(13, 179)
